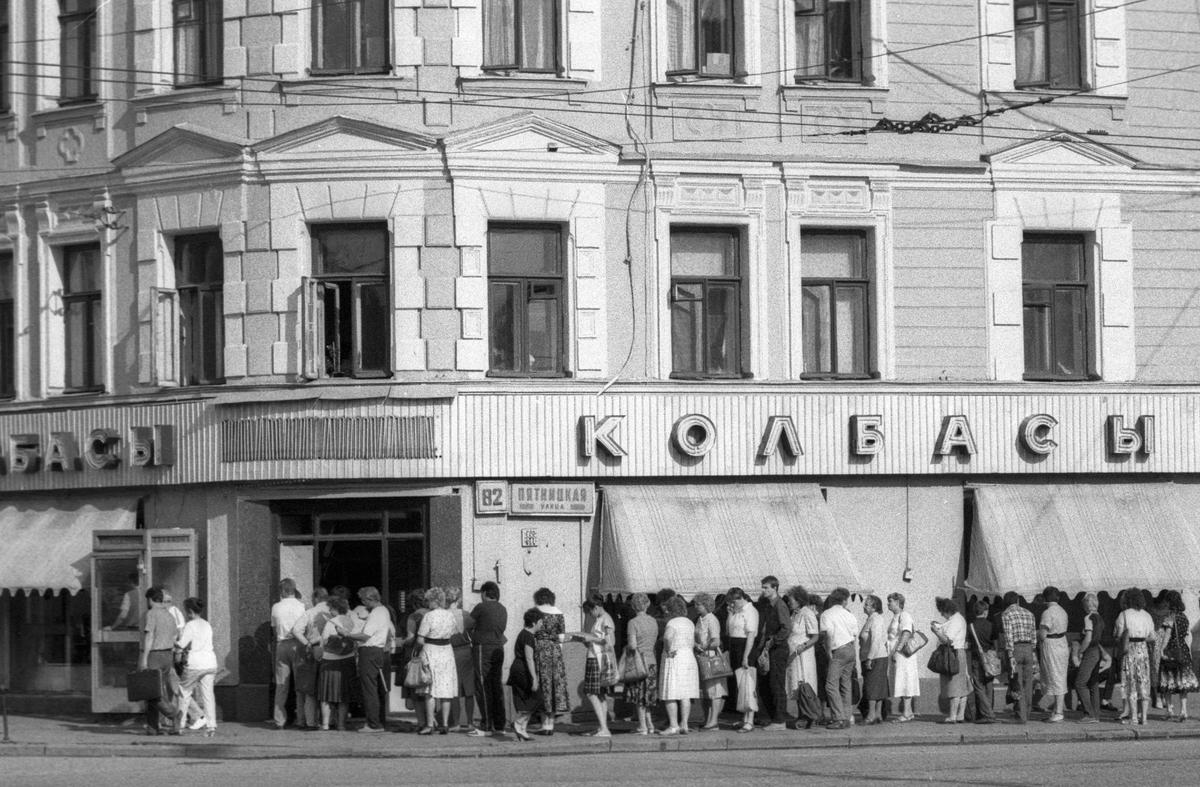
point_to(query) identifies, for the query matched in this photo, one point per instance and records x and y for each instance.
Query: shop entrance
(383, 543)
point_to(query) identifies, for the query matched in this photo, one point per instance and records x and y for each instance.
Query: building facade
(584, 295)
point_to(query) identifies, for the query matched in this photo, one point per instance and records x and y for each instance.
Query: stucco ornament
(70, 145)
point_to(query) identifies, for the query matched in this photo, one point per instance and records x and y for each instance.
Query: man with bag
(158, 641)
(1019, 630)
(985, 664)
(840, 629)
(774, 627)
(374, 666)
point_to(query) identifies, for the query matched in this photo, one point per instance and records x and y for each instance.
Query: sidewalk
(88, 737)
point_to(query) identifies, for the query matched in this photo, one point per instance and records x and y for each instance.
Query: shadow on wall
(256, 656)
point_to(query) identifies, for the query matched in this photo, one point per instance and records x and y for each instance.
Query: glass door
(118, 604)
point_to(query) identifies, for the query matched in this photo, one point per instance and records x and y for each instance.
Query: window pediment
(183, 144)
(343, 135)
(1060, 151)
(528, 133)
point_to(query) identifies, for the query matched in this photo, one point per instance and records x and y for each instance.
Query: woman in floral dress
(1176, 679)
(548, 656)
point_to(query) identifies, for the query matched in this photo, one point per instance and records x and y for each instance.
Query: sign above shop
(501, 497)
(102, 449)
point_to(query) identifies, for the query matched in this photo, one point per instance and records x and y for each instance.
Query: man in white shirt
(284, 615)
(840, 629)
(374, 653)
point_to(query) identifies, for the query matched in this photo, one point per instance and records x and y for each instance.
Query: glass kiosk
(125, 564)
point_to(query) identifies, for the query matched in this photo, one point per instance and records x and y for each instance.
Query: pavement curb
(572, 746)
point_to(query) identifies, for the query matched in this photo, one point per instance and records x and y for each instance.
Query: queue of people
(789, 660)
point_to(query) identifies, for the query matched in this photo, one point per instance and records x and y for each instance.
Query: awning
(45, 545)
(694, 538)
(1081, 537)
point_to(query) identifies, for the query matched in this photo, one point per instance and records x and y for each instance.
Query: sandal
(744, 727)
(669, 731)
(425, 731)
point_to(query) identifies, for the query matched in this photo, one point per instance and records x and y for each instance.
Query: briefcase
(145, 684)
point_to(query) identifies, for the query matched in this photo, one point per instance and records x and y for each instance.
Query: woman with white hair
(641, 633)
(679, 683)
(438, 626)
(708, 640)
(905, 683)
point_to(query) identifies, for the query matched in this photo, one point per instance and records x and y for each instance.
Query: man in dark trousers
(775, 624)
(491, 619)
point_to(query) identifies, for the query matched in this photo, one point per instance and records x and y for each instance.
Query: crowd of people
(788, 660)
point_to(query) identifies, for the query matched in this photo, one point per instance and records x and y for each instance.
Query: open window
(521, 35)
(701, 38)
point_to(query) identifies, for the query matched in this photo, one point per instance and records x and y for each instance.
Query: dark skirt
(335, 680)
(465, 664)
(525, 699)
(644, 693)
(737, 652)
(875, 679)
(591, 679)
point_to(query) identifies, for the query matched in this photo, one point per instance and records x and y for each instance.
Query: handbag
(417, 675)
(713, 664)
(146, 685)
(945, 661)
(913, 645)
(633, 667)
(989, 661)
(1176, 654)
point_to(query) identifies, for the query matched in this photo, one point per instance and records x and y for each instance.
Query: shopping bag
(417, 675)
(609, 674)
(713, 664)
(747, 684)
(808, 706)
(145, 685)
(633, 667)
(945, 661)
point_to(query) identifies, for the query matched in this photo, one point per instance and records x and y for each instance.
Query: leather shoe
(838, 725)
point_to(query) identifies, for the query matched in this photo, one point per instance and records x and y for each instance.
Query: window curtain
(499, 34)
(538, 35)
(681, 35)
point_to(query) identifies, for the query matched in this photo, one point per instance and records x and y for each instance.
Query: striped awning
(1081, 537)
(46, 545)
(711, 537)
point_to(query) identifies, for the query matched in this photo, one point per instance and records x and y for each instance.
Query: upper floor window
(836, 303)
(199, 281)
(829, 45)
(5, 59)
(78, 56)
(350, 37)
(525, 299)
(1047, 43)
(8, 333)
(1054, 277)
(83, 318)
(347, 304)
(521, 35)
(701, 37)
(198, 47)
(706, 298)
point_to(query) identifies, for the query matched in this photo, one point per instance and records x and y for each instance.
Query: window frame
(78, 26)
(210, 27)
(193, 352)
(1042, 20)
(857, 60)
(1083, 286)
(5, 56)
(518, 68)
(8, 329)
(736, 281)
(698, 51)
(328, 282)
(94, 304)
(356, 32)
(864, 283)
(526, 283)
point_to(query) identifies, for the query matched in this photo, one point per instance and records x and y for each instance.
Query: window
(1054, 273)
(198, 47)
(78, 52)
(350, 263)
(525, 299)
(836, 303)
(83, 319)
(8, 334)
(199, 278)
(5, 59)
(829, 40)
(705, 302)
(520, 35)
(350, 37)
(701, 36)
(1047, 43)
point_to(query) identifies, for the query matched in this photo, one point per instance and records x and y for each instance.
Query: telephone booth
(125, 564)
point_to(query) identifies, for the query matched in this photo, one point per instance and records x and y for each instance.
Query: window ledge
(834, 90)
(326, 84)
(1064, 98)
(518, 82)
(707, 85)
(199, 94)
(71, 112)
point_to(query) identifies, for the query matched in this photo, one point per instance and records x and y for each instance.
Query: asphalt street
(1000, 765)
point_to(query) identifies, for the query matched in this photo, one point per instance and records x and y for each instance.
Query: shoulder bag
(916, 641)
(1176, 654)
(417, 676)
(945, 661)
(989, 661)
(632, 668)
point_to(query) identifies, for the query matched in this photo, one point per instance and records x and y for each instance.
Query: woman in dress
(336, 673)
(433, 637)
(1087, 657)
(641, 634)
(462, 710)
(905, 684)
(600, 638)
(873, 644)
(1134, 626)
(522, 675)
(802, 642)
(201, 670)
(708, 640)
(742, 628)
(1174, 680)
(551, 671)
(415, 607)
(679, 682)
(953, 631)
